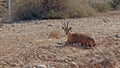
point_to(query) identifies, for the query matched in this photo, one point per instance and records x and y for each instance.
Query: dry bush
(68, 9)
(102, 7)
(51, 9)
(25, 10)
(57, 9)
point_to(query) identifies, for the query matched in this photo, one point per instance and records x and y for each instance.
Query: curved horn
(64, 25)
(67, 24)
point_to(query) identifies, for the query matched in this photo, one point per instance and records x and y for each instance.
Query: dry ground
(28, 43)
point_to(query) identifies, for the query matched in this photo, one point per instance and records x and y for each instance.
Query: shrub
(56, 14)
(25, 10)
(115, 4)
(52, 9)
(85, 10)
(68, 9)
(102, 7)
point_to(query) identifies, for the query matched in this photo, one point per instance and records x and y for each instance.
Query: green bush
(102, 7)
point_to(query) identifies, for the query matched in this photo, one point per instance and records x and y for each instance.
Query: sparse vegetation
(115, 4)
(102, 7)
(59, 9)
(25, 10)
(68, 9)
(53, 9)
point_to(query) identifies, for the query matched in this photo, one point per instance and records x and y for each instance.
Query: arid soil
(31, 43)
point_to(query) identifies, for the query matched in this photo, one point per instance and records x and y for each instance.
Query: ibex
(84, 39)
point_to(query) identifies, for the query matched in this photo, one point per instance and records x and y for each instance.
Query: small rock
(22, 66)
(81, 65)
(50, 66)
(73, 49)
(40, 66)
(104, 20)
(13, 25)
(73, 65)
(59, 60)
(117, 36)
(37, 22)
(50, 24)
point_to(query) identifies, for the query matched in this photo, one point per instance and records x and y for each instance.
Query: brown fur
(84, 39)
(54, 34)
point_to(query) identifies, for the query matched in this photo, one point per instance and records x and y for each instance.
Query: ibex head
(66, 28)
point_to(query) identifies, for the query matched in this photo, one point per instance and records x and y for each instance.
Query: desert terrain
(29, 43)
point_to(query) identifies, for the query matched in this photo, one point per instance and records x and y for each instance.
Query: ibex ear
(70, 28)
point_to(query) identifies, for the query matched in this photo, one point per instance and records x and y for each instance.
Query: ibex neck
(69, 36)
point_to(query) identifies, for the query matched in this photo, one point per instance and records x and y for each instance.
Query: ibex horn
(67, 24)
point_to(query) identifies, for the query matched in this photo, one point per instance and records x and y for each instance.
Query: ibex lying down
(84, 39)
